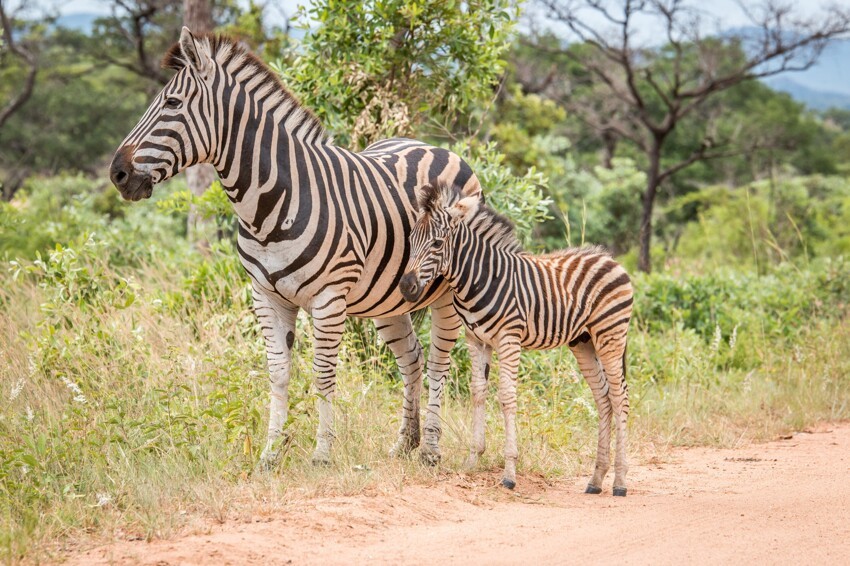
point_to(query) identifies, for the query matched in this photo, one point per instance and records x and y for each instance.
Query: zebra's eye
(172, 102)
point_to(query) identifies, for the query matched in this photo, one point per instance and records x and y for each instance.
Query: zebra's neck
(264, 133)
(483, 253)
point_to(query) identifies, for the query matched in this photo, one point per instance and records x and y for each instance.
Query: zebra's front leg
(509, 352)
(328, 325)
(591, 369)
(278, 325)
(480, 356)
(397, 333)
(445, 329)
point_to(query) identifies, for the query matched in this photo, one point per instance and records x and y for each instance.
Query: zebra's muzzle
(410, 288)
(132, 184)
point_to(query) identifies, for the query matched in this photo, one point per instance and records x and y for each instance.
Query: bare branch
(28, 58)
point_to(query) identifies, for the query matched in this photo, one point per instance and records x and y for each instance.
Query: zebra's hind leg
(591, 369)
(508, 365)
(328, 325)
(480, 355)
(398, 334)
(278, 325)
(445, 328)
(612, 355)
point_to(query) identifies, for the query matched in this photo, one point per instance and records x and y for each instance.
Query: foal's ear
(464, 208)
(194, 52)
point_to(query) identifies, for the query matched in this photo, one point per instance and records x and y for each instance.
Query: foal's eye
(172, 102)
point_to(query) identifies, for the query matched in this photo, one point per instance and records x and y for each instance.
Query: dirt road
(785, 502)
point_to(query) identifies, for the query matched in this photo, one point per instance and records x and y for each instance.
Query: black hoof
(619, 492)
(321, 463)
(592, 489)
(510, 484)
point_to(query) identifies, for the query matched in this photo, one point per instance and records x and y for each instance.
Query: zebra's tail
(625, 349)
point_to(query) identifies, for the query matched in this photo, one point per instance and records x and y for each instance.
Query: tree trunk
(652, 182)
(197, 16)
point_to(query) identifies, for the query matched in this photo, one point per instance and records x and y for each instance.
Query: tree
(25, 55)
(642, 93)
(197, 16)
(383, 68)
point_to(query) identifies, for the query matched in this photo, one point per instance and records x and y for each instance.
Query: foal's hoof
(510, 484)
(619, 492)
(592, 489)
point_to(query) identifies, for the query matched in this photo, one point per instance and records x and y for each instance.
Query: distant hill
(814, 99)
(825, 85)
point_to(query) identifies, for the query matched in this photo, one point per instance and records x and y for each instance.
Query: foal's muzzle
(410, 288)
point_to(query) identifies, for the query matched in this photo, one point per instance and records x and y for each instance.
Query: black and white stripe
(510, 300)
(320, 228)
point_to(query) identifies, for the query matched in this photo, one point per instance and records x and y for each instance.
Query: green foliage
(382, 68)
(69, 209)
(763, 223)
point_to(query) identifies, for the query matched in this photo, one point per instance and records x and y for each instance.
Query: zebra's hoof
(321, 461)
(429, 458)
(404, 446)
(593, 490)
(619, 492)
(510, 484)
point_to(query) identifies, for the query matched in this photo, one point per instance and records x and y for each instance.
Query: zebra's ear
(193, 53)
(464, 208)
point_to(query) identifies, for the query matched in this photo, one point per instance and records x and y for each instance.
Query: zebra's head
(176, 131)
(441, 210)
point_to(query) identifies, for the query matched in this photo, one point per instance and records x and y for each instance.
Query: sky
(832, 74)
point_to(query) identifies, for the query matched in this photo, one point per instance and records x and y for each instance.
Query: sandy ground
(784, 502)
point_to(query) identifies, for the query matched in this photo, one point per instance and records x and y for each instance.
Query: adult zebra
(510, 299)
(320, 228)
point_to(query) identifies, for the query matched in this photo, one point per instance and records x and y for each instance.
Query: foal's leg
(611, 348)
(509, 352)
(398, 334)
(480, 355)
(592, 371)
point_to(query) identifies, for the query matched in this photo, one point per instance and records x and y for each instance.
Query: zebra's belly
(282, 271)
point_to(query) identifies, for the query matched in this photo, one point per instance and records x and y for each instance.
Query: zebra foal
(510, 299)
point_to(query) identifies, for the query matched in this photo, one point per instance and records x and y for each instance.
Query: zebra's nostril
(120, 176)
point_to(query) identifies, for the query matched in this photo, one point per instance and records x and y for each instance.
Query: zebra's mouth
(139, 188)
(132, 184)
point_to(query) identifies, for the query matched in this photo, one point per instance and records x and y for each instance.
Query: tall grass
(133, 390)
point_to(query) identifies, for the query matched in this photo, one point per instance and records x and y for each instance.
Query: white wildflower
(103, 499)
(718, 336)
(75, 389)
(30, 414)
(16, 389)
(25, 469)
(733, 339)
(747, 385)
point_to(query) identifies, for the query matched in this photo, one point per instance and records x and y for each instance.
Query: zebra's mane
(238, 61)
(495, 227)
